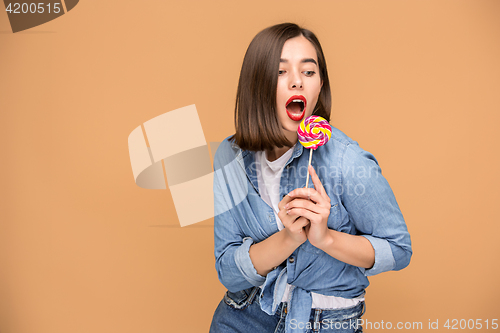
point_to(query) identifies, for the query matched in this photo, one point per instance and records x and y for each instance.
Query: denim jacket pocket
(241, 299)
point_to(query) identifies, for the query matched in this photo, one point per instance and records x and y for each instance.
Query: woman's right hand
(294, 224)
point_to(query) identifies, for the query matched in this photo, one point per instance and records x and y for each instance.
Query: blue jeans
(241, 312)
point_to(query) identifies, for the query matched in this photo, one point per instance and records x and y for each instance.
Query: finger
(311, 216)
(286, 199)
(287, 219)
(307, 193)
(307, 228)
(303, 203)
(294, 223)
(301, 222)
(317, 183)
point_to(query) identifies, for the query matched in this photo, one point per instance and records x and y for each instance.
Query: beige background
(83, 249)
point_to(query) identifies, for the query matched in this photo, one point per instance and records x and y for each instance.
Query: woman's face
(299, 84)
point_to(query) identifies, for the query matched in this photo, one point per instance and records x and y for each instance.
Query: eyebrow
(305, 60)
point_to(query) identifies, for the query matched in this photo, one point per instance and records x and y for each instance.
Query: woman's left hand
(314, 205)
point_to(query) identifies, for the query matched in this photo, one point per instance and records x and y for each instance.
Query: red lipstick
(296, 107)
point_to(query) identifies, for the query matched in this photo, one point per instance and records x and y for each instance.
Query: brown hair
(256, 121)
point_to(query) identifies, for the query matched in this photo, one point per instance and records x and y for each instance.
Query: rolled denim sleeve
(232, 260)
(373, 209)
(384, 259)
(245, 265)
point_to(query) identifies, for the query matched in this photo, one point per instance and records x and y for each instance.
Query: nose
(295, 81)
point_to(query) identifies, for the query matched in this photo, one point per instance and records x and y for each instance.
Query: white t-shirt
(269, 177)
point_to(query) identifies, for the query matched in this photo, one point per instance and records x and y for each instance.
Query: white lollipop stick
(310, 158)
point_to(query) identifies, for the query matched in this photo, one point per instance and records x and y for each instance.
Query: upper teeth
(297, 100)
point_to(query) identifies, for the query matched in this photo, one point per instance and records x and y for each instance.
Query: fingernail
(286, 206)
(288, 211)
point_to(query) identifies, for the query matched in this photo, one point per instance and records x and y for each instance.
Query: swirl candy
(314, 131)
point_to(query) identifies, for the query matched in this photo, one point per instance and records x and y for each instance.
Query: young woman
(296, 259)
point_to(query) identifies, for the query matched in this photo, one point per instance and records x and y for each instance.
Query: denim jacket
(362, 203)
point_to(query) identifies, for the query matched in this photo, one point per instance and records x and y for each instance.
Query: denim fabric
(362, 203)
(240, 312)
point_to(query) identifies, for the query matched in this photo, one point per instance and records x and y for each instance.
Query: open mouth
(296, 107)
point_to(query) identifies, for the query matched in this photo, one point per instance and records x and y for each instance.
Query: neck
(273, 155)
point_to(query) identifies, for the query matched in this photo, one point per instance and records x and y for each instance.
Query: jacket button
(291, 260)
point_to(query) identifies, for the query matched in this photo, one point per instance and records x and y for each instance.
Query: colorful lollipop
(314, 131)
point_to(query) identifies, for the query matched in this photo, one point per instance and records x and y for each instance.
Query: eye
(281, 72)
(309, 73)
